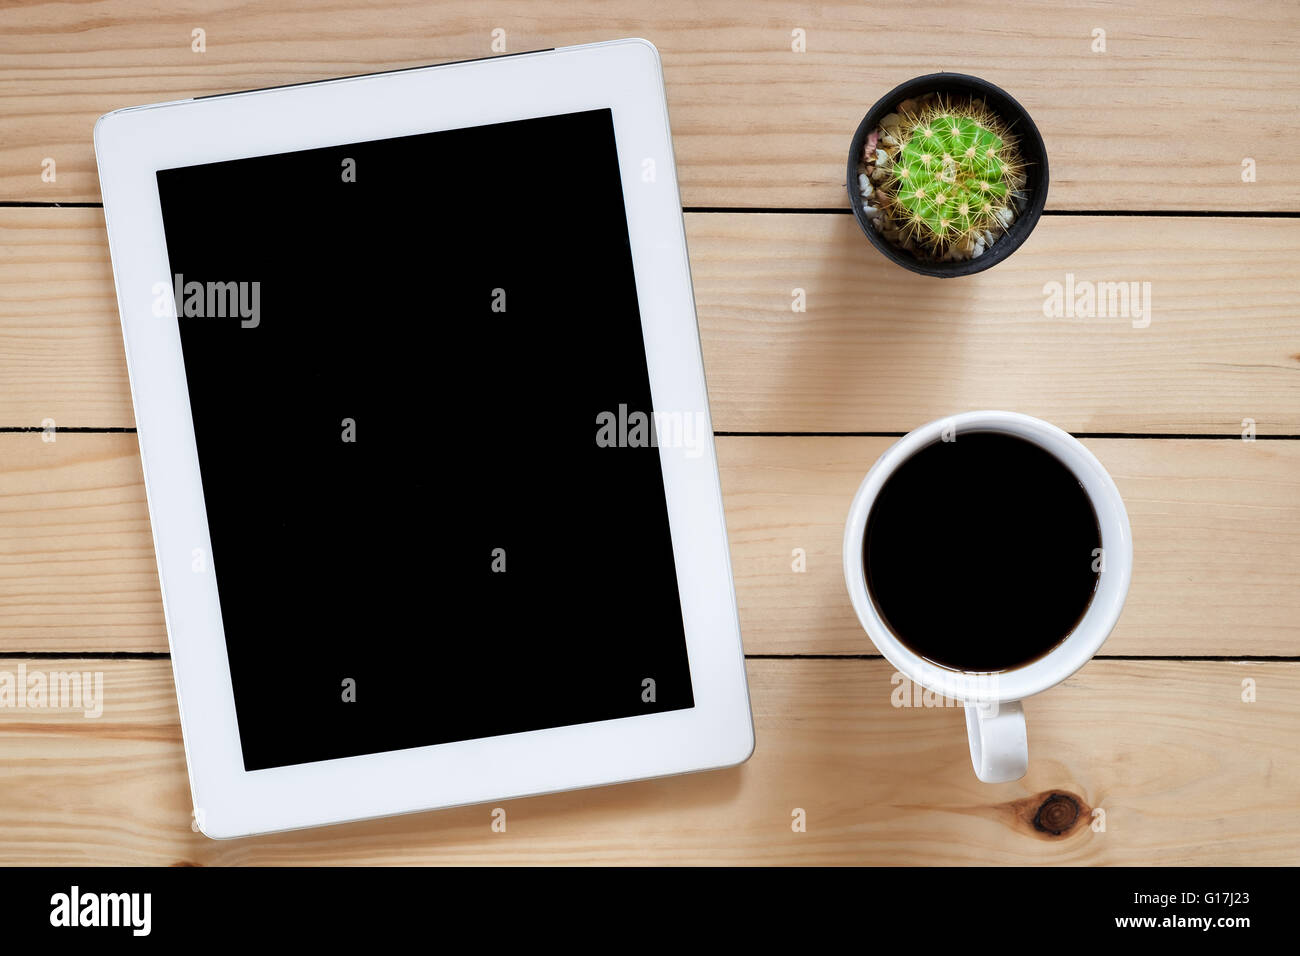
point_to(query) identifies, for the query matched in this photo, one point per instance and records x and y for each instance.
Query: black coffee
(979, 552)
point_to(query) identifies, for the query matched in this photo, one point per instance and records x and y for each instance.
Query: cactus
(953, 173)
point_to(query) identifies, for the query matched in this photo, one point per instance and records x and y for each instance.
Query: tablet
(424, 429)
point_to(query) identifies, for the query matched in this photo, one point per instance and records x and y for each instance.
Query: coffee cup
(880, 556)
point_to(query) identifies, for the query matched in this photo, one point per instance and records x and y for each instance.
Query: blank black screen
(440, 320)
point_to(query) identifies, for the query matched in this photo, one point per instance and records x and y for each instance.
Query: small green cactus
(952, 175)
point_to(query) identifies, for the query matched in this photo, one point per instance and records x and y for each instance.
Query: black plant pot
(1031, 148)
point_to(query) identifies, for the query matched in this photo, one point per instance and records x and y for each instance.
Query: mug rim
(1098, 620)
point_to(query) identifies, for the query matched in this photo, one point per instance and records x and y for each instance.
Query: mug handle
(999, 743)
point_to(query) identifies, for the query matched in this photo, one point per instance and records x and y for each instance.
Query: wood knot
(1051, 814)
(1057, 814)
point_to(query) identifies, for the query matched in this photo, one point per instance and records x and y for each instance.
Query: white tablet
(424, 428)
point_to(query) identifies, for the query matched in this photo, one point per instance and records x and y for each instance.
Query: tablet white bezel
(132, 144)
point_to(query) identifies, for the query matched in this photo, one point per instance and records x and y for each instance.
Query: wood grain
(1184, 770)
(1216, 527)
(1161, 120)
(878, 349)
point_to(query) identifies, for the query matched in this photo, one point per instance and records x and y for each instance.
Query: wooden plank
(1184, 770)
(61, 355)
(1216, 526)
(1162, 119)
(77, 569)
(1216, 538)
(882, 350)
(878, 349)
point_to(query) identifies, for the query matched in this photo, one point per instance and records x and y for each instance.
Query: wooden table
(1185, 732)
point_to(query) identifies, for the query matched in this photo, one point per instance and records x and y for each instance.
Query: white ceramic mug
(995, 720)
